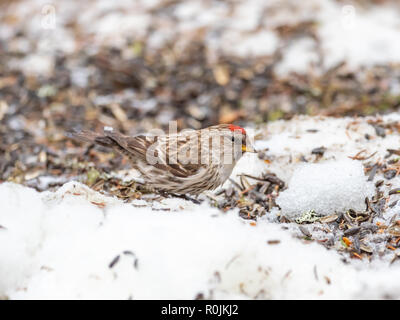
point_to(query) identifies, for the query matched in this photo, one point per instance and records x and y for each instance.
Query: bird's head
(234, 139)
(239, 135)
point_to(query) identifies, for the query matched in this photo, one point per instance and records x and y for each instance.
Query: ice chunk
(328, 187)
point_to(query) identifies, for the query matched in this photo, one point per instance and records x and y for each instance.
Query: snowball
(326, 188)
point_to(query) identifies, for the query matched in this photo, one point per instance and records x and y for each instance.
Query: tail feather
(92, 137)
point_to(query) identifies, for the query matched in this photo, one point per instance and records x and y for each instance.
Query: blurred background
(136, 65)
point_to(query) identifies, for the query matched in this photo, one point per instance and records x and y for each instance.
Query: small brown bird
(188, 162)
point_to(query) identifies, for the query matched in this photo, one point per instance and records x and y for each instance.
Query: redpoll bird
(191, 161)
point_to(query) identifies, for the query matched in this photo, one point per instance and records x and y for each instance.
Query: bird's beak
(248, 148)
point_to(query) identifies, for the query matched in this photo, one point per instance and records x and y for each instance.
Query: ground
(78, 243)
(314, 214)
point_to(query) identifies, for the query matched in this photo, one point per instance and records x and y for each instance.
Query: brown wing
(163, 152)
(165, 149)
(171, 148)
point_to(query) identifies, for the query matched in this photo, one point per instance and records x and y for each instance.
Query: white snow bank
(326, 188)
(65, 244)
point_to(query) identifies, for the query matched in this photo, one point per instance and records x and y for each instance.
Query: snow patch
(62, 245)
(326, 188)
(298, 57)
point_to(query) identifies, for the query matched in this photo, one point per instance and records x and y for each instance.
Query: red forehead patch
(232, 127)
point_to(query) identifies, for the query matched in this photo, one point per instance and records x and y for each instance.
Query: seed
(329, 219)
(352, 231)
(318, 151)
(305, 231)
(114, 262)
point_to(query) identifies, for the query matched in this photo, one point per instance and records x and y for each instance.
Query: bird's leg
(164, 193)
(176, 195)
(145, 187)
(186, 197)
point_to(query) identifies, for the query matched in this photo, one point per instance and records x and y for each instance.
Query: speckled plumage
(189, 162)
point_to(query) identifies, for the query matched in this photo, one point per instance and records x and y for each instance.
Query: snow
(298, 57)
(66, 243)
(76, 243)
(63, 249)
(35, 64)
(326, 188)
(369, 37)
(360, 35)
(257, 44)
(288, 141)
